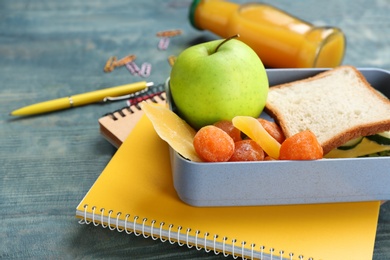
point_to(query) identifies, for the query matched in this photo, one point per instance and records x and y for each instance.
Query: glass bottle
(280, 39)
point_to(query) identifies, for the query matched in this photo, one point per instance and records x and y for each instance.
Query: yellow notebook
(135, 193)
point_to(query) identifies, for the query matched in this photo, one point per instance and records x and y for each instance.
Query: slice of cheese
(364, 148)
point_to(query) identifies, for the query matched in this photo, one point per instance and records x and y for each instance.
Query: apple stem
(227, 39)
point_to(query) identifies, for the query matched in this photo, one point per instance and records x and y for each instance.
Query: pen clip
(124, 97)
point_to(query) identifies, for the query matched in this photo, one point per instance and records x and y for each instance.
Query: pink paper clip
(163, 43)
(132, 68)
(146, 69)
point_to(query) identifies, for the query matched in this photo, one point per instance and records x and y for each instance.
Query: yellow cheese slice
(365, 147)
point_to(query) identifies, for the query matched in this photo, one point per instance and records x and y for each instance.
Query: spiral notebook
(135, 193)
(116, 126)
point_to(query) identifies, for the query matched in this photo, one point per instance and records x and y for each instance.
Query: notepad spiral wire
(134, 100)
(151, 229)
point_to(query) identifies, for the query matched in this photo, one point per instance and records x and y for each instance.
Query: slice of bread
(336, 105)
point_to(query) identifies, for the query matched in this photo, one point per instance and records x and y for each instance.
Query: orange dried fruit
(247, 150)
(273, 129)
(229, 128)
(212, 144)
(301, 146)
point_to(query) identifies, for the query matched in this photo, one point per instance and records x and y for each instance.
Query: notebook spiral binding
(151, 229)
(137, 98)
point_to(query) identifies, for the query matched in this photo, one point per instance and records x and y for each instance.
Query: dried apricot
(301, 146)
(273, 129)
(229, 128)
(212, 144)
(247, 150)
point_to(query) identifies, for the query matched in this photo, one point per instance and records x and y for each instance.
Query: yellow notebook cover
(135, 192)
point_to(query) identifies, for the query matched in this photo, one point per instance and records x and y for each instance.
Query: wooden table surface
(51, 49)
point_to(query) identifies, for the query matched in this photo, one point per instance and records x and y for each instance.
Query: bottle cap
(191, 16)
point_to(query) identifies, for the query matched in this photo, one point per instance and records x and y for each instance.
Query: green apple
(218, 80)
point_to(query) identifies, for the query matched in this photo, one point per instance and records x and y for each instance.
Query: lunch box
(281, 182)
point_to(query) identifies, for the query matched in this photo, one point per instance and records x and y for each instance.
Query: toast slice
(336, 105)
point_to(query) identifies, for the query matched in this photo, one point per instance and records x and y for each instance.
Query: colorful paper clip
(124, 60)
(171, 60)
(169, 33)
(132, 67)
(163, 43)
(110, 64)
(146, 69)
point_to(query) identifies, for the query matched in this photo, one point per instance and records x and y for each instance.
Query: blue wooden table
(50, 49)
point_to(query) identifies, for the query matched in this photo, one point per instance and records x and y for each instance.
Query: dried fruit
(273, 129)
(247, 150)
(301, 146)
(230, 129)
(172, 129)
(255, 131)
(212, 144)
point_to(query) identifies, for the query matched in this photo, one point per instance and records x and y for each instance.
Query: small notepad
(135, 194)
(116, 126)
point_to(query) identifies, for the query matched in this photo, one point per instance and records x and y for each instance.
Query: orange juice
(280, 40)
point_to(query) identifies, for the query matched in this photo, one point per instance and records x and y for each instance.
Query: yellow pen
(80, 99)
